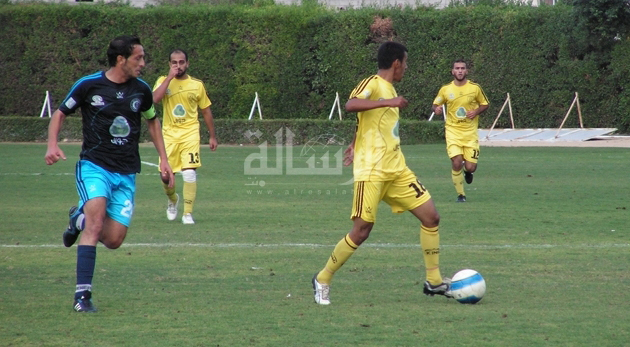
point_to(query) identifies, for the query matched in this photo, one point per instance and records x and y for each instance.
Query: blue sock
(86, 261)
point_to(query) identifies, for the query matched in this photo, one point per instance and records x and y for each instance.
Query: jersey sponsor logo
(460, 113)
(135, 104)
(70, 103)
(119, 130)
(179, 111)
(97, 100)
(120, 95)
(395, 131)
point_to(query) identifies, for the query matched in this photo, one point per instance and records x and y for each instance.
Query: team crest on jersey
(192, 98)
(97, 100)
(179, 111)
(451, 96)
(135, 104)
(119, 130)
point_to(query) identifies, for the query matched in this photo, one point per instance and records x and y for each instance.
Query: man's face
(178, 60)
(460, 71)
(133, 65)
(400, 70)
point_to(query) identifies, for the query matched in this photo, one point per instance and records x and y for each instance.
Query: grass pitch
(546, 227)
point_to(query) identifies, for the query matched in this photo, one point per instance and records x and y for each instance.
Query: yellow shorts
(470, 154)
(183, 155)
(402, 194)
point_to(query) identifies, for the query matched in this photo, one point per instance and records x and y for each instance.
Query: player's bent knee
(431, 220)
(113, 242)
(189, 175)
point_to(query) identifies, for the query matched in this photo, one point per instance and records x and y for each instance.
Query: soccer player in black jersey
(113, 104)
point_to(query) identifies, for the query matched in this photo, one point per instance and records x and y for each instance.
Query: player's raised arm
(360, 105)
(160, 91)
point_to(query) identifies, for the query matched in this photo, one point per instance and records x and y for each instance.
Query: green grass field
(546, 227)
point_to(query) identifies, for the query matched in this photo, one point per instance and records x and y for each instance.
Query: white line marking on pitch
(315, 245)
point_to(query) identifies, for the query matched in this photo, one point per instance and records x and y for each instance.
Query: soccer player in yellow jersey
(465, 101)
(380, 173)
(181, 95)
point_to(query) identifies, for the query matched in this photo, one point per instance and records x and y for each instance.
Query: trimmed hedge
(298, 57)
(233, 131)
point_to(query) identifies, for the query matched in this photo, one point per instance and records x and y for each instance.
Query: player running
(113, 104)
(465, 101)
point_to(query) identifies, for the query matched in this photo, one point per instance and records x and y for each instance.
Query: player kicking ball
(380, 173)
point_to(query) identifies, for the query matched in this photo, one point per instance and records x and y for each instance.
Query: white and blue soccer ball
(468, 286)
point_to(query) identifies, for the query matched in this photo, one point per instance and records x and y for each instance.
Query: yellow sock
(430, 242)
(458, 181)
(190, 193)
(170, 193)
(342, 252)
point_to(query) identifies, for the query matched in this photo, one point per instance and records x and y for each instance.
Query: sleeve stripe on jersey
(482, 92)
(143, 81)
(93, 76)
(359, 89)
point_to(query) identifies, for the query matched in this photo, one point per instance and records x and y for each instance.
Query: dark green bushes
(298, 57)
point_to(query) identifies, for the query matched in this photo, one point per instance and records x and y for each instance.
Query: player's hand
(348, 156)
(173, 71)
(213, 144)
(438, 110)
(471, 114)
(399, 102)
(166, 168)
(53, 154)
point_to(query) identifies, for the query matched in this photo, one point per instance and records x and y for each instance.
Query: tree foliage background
(298, 57)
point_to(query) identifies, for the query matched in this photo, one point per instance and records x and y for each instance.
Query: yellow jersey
(377, 154)
(181, 105)
(459, 100)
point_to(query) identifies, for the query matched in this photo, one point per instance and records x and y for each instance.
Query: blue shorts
(119, 189)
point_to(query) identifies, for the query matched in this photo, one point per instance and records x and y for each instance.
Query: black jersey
(111, 120)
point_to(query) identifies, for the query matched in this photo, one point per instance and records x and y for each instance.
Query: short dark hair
(178, 50)
(122, 45)
(460, 61)
(389, 52)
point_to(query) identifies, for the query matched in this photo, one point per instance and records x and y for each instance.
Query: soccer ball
(468, 286)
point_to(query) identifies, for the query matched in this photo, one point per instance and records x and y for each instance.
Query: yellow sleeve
(204, 100)
(482, 99)
(159, 82)
(365, 88)
(439, 99)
